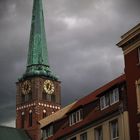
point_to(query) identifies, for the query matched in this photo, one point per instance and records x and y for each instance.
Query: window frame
(26, 97)
(109, 98)
(76, 117)
(30, 118)
(49, 97)
(83, 136)
(105, 103)
(44, 114)
(22, 119)
(96, 131)
(115, 94)
(112, 131)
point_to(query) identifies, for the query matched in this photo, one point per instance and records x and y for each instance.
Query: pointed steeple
(37, 62)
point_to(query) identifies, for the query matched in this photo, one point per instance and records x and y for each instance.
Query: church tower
(38, 91)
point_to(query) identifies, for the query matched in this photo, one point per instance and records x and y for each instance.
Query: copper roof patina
(37, 62)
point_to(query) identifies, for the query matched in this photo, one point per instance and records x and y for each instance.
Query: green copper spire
(37, 63)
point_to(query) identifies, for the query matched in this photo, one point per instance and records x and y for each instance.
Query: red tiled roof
(92, 115)
(93, 96)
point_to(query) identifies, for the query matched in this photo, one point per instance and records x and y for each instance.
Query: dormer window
(76, 117)
(109, 98)
(104, 101)
(114, 96)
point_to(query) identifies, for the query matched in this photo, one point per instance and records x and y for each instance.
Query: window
(30, 118)
(109, 98)
(44, 113)
(22, 119)
(48, 97)
(114, 96)
(75, 117)
(98, 133)
(53, 98)
(83, 136)
(114, 130)
(26, 97)
(48, 132)
(104, 101)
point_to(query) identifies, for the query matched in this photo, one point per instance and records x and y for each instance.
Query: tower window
(30, 118)
(22, 119)
(44, 113)
(48, 97)
(26, 97)
(53, 97)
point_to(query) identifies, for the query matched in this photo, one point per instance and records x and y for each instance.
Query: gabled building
(101, 115)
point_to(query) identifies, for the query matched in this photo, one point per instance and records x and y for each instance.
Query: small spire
(37, 62)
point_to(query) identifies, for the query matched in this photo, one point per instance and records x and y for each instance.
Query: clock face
(26, 87)
(48, 86)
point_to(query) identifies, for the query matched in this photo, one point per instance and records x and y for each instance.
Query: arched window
(22, 119)
(30, 118)
(44, 113)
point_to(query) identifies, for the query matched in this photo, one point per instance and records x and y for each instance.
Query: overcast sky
(81, 38)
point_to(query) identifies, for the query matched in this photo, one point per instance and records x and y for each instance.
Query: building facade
(38, 90)
(110, 113)
(130, 44)
(102, 115)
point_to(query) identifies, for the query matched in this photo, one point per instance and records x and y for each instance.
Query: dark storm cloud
(81, 36)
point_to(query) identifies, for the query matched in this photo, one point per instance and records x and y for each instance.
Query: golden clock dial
(49, 86)
(26, 87)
